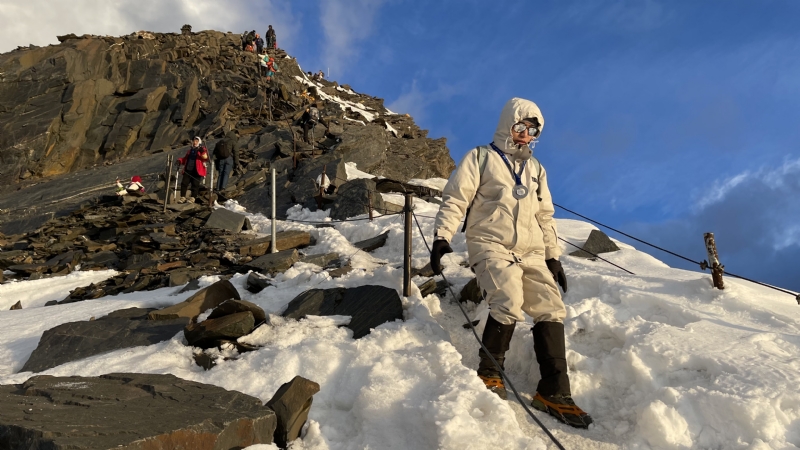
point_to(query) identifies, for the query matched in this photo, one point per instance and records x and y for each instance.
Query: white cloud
(38, 22)
(345, 23)
(415, 101)
(774, 179)
(719, 190)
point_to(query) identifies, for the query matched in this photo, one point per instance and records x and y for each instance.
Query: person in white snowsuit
(513, 249)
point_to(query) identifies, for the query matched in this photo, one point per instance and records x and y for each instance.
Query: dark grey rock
(129, 411)
(428, 287)
(228, 220)
(230, 327)
(291, 404)
(107, 259)
(77, 340)
(203, 300)
(275, 262)
(353, 199)
(229, 307)
(142, 261)
(471, 292)
(369, 306)
(371, 244)
(16, 306)
(598, 242)
(324, 260)
(256, 282)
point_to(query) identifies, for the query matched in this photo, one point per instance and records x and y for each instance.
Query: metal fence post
(273, 248)
(407, 248)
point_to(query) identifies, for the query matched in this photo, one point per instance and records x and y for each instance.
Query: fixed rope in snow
(703, 265)
(500, 369)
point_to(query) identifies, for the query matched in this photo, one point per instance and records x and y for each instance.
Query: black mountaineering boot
(553, 392)
(496, 338)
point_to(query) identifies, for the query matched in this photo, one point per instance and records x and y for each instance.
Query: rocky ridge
(74, 116)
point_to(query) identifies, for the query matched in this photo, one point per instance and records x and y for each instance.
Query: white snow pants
(511, 288)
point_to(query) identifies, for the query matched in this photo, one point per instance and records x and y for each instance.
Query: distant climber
(272, 41)
(194, 168)
(135, 188)
(226, 158)
(310, 118)
(270, 67)
(259, 44)
(320, 75)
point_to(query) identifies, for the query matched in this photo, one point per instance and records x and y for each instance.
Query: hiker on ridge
(259, 45)
(513, 250)
(309, 120)
(194, 168)
(271, 39)
(226, 158)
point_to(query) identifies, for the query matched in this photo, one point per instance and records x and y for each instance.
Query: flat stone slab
(283, 241)
(371, 244)
(204, 299)
(275, 262)
(369, 306)
(598, 242)
(229, 307)
(77, 340)
(228, 220)
(323, 260)
(129, 411)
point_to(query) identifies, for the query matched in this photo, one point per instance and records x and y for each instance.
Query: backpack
(222, 149)
(483, 154)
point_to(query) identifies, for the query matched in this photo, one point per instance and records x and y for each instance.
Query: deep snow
(660, 359)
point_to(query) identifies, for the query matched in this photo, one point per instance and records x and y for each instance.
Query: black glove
(440, 248)
(558, 272)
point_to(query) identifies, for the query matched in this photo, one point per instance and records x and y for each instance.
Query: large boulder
(130, 411)
(77, 340)
(369, 306)
(597, 242)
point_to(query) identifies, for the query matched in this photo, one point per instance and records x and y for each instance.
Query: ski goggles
(519, 127)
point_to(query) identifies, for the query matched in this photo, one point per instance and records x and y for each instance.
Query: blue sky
(664, 119)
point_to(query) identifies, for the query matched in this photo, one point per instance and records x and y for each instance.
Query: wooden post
(369, 205)
(407, 248)
(713, 261)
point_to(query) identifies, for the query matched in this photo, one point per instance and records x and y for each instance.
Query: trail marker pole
(272, 245)
(713, 261)
(175, 193)
(211, 188)
(369, 206)
(407, 248)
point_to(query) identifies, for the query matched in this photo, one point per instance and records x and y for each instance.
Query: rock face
(368, 305)
(94, 101)
(129, 411)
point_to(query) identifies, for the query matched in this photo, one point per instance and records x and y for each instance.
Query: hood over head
(515, 110)
(200, 140)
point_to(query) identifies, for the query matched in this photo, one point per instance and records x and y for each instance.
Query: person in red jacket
(194, 168)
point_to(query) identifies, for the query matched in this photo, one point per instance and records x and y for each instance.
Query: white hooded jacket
(500, 226)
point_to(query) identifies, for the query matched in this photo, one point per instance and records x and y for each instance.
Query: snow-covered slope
(660, 359)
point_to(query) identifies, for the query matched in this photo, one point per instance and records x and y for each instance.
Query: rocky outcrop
(92, 101)
(129, 411)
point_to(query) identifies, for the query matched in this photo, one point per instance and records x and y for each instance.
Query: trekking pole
(169, 181)
(211, 188)
(273, 245)
(175, 193)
